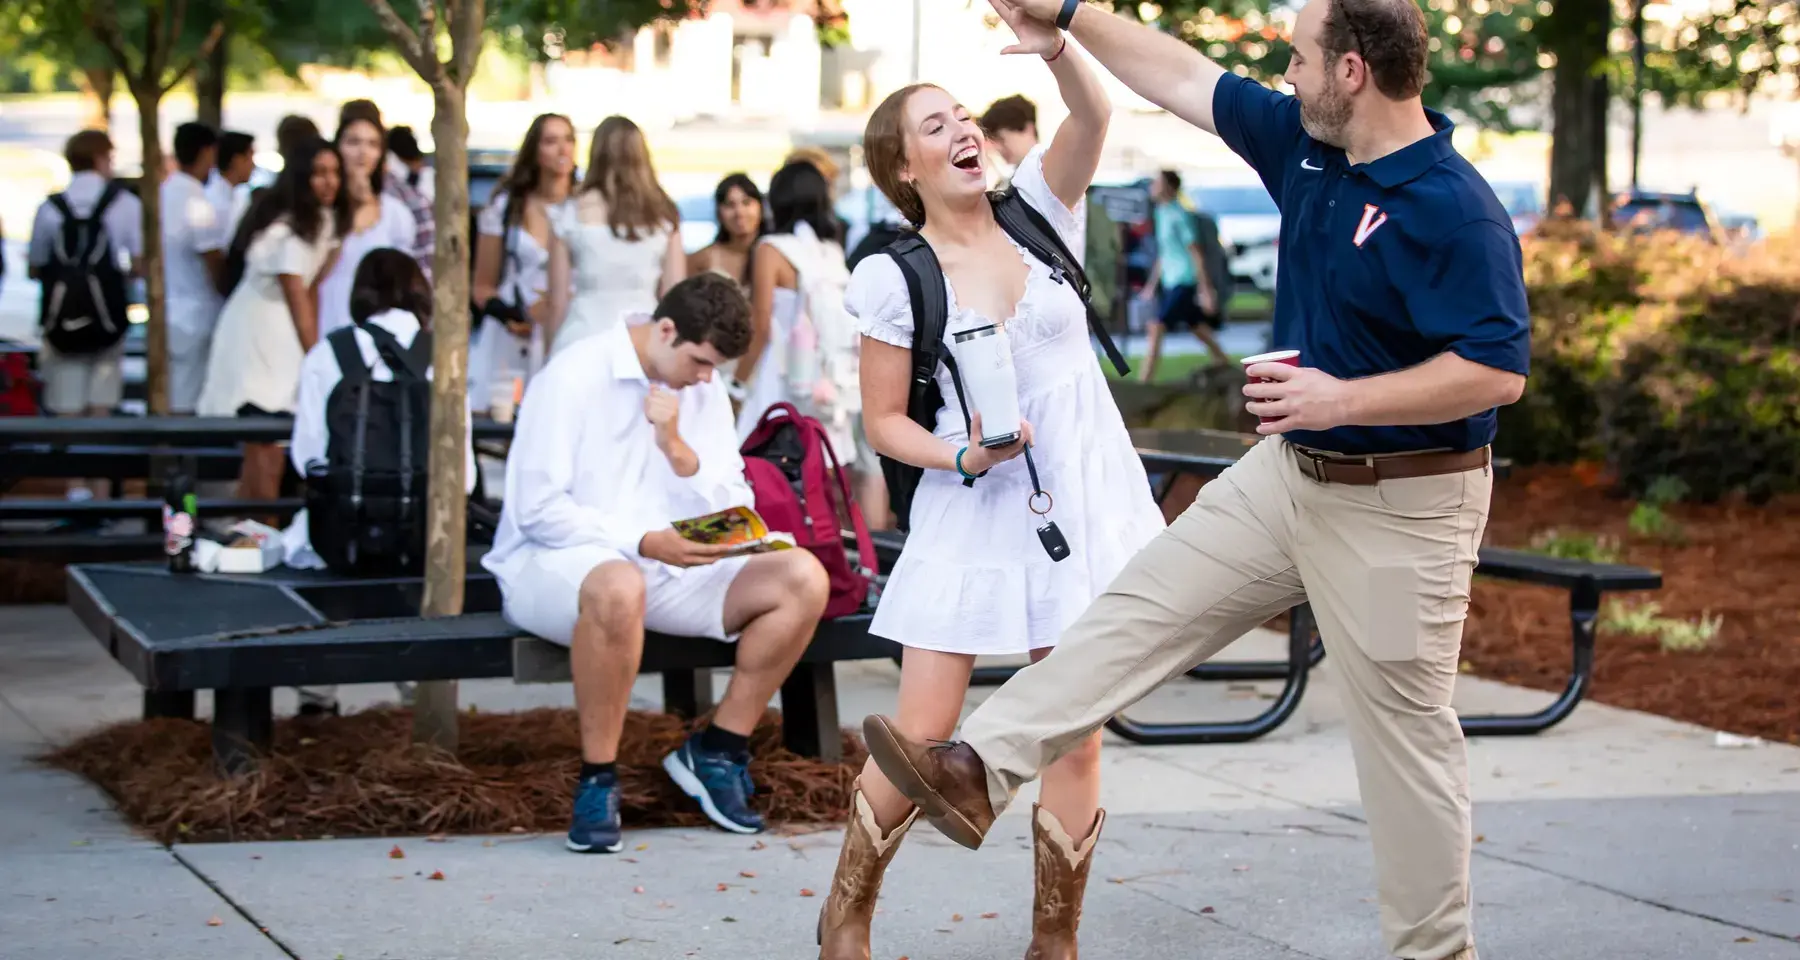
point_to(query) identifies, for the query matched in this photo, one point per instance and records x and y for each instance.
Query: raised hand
(1036, 32)
(662, 407)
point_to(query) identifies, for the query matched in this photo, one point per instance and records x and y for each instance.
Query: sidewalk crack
(241, 910)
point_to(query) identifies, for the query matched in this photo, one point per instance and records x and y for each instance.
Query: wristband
(959, 467)
(1059, 50)
(1067, 14)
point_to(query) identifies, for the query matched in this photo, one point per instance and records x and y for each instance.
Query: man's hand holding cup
(1287, 396)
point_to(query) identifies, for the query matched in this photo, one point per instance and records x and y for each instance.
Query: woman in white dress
(512, 258)
(618, 238)
(973, 577)
(271, 313)
(802, 344)
(377, 219)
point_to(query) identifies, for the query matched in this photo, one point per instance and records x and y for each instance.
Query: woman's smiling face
(943, 149)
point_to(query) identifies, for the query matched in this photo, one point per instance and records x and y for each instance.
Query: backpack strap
(1024, 224)
(349, 357)
(413, 360)
(931, 316)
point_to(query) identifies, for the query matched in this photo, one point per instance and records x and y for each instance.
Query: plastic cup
(1289, 357)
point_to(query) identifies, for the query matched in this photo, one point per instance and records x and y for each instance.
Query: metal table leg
(1300, 642)
(809, 712)
(687, 693)
(1584, 613)
(243, 724)
(172, 703)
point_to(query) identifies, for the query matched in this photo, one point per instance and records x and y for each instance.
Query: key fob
(1054, 543)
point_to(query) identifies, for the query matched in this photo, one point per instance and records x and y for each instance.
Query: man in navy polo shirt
(1400, 285)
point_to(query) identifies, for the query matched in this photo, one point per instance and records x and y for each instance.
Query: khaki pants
(1386, 568)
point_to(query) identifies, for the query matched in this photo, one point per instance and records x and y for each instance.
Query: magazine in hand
(740, 527)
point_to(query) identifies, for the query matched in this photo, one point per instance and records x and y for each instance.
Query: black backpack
(83, 304)
(366, 503)
(930, 310)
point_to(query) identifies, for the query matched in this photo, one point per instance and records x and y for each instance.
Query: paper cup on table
(1289, 357)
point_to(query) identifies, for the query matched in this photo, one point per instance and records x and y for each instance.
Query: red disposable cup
(1289, 357)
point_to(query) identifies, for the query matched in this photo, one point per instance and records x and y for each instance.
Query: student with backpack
(86, 242)
(361, 440)
(1006, 545)
(802, 343)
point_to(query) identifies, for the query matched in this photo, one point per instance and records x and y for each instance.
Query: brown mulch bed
(360, 776)
(32, 581)
(1736, 561)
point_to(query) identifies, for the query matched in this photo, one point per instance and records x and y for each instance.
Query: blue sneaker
(720, 782)
(595, 826)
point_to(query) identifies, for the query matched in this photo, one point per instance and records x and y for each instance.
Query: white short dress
(256, 351)
(973, 577)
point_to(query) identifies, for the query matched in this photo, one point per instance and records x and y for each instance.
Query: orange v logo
(1370, 223)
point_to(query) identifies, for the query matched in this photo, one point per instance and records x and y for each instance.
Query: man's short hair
(84, 150)
(1391, 37)
(191, 140)
(1171, 179)
(1014, 113)
(405, 144)
(233, 144)
(709, 308)
(294, 130)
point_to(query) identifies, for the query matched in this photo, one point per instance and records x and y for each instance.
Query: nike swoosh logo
(1307, 165)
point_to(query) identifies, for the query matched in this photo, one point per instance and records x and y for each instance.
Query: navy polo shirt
(1382, 265)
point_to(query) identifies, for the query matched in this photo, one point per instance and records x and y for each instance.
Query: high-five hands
(1044, 11)
(1298, 398)
(1036, 31)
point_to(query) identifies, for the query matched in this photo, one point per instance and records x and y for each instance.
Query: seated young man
(620, 435)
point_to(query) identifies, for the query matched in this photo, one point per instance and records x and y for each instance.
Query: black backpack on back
(366, 503)
(931, 308)
(83, 301)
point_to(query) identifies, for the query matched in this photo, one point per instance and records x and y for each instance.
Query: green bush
(1663, 356)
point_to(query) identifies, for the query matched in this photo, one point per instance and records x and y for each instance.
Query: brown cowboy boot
(845, 918)
(946, 781)
(1062, 873)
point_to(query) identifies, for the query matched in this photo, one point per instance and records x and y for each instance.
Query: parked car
(1249, 228)
(1642, 211)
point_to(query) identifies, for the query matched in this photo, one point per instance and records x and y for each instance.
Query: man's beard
(1325, 116)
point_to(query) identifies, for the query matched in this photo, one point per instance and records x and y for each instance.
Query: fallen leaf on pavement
(397, 853)
(729, 919)
(215, 922)
(956, 918)
(438, 838)
(723, 887)
(1206, 910)
(1240, 868)
(256, 856)
(747, 874)
(436, 875)
(1481, 838)
(759, 845)
(637, 889)
(989, 916)
(805, 892)
(1744, 940)
(641, 846)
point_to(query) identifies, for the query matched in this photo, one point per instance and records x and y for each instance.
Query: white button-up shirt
(584, 468)
(124, 220)
(191, 226)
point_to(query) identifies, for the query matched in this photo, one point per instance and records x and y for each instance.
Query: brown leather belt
(1367, 471)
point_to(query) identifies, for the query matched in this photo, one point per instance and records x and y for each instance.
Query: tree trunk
(149, 100)
(209, 84)
(1577, 33)
(434, 710)
(98, 85)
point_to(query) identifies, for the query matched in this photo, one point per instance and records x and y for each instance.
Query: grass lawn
(1170, 368)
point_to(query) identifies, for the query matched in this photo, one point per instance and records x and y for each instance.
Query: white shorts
(75, 383)
(543, 598)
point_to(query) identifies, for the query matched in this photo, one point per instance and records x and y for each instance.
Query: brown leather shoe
(946, 781)
(848, 911)
(1062, 873)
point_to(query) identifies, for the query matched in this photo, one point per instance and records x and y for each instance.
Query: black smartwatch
(1067, 14)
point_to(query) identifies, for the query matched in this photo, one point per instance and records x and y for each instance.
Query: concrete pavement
(1614, 835)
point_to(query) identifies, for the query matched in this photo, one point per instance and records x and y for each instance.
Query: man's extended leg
(772, 603)
(1221, 569)
(1388, 570)
(604, 653)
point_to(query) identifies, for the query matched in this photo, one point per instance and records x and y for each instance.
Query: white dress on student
(256, 351)
(585, 483)
(319, 375)
(614, 277)
(973, 577)
(395, 228)
(809, 341)
(497, 357)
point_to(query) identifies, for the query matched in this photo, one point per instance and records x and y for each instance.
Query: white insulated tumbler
(984, 359)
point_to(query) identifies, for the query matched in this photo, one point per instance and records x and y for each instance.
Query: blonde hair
(884, 149)
(818, 158)
(619, 169)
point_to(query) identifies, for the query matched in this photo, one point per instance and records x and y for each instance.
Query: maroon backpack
(800, 489)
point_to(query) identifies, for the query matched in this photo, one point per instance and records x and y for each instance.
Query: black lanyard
(1055, 544)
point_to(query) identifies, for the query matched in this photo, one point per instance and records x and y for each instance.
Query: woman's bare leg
(932, 688)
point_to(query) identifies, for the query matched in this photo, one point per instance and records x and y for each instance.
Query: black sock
(606, 772)
(715, 739)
